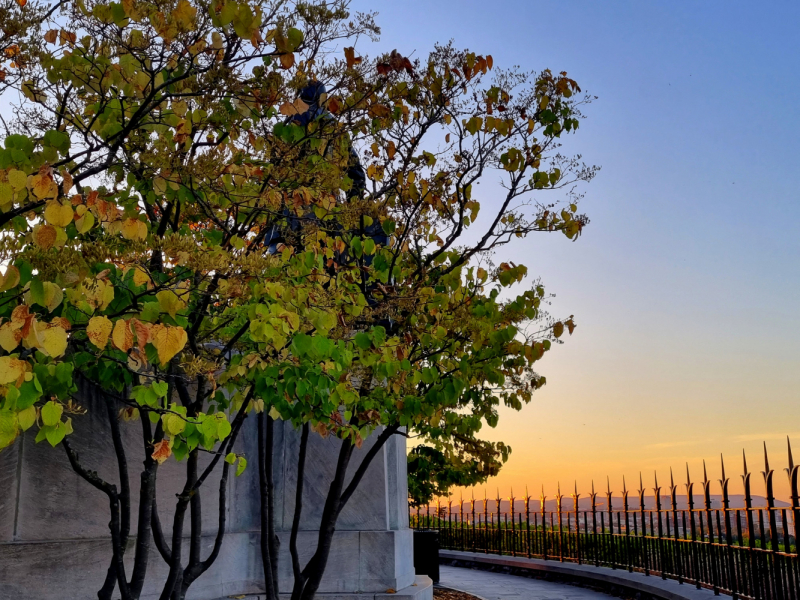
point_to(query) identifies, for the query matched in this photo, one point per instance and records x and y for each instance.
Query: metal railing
(748, 552)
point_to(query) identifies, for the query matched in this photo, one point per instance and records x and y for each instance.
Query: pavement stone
(499, 586)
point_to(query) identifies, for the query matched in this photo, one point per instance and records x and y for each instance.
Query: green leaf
(230, 458)
(55, 434)
(362, 340)
(301, 344)
(26, 418)
(389, 226)
(223, 426)
(160, 388)
(150, 312)
(51, 415)
(295, 38)
(241, 465)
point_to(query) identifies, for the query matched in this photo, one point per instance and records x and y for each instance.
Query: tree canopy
(149, 150)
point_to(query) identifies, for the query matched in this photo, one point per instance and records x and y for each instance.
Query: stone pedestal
(54, 540)
(373, 548)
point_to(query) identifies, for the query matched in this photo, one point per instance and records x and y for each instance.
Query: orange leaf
(22, 2)
(51, 36)
(287, 60)
(161, 451)
(142, 332)
(44, 236)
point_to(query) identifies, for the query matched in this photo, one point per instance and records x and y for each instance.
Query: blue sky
(685, 285)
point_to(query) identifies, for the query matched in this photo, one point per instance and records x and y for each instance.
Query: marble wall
(54, 541)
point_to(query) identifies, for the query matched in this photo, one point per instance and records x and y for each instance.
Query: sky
(685, 284)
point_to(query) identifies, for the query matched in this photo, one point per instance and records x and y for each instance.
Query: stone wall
(54, 541)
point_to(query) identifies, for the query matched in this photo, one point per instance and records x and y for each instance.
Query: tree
(151, 286)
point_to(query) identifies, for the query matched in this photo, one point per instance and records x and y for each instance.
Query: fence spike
(722, 462)
(624, 489)
(655, 476)
(789, 446)
(688, 479)
(744, 461)
(608, 483)
(705, 473)
(641, 486)
(766, 459)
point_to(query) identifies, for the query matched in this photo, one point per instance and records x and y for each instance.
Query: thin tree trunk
(314, 570)
(114, 525)
(269, 550)
(176, 571)
(147, 492)
(337, 498)
(299, 576)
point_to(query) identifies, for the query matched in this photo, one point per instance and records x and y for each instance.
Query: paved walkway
(499, 586)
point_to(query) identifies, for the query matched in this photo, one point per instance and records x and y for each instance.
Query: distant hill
(585, 503)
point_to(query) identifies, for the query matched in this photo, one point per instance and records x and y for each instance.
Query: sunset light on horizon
(684, 285)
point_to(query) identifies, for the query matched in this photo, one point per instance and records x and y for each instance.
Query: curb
(638, 583)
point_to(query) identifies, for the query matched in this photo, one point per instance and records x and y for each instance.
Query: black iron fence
(748, 551)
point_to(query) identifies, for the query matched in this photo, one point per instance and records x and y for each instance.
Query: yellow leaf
(10, 336)
(184, 14)
(43, 186)
(17, 179)
(170, 302)
(122, 337)
(134, 229)
(58, 214)
(10, 279)
(85, 222)
(44, 236)
(11, 369)
(98, 330)
(168, 341)
(53, 341)
(140, 276)
(53, 295)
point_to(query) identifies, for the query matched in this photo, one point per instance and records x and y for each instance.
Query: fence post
(485, 522)
(461, 530)
(473, 520)
(693, 530)
(711, 544)
(513, 530)
(575, 497)
(726, 503)
(595, 549)
(560, 528)
(792, 472)
(450, 522)
(527, 522)
(645, 550)
(627, 541)
(612, 545)
(544, 523)
(499, 525)
(660, 542)
(677, 558)
(775, 577)
(751, 530)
